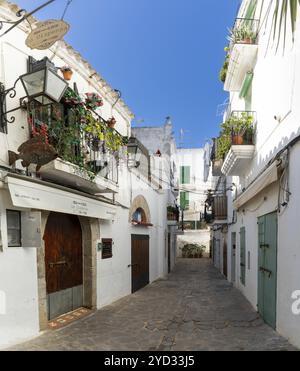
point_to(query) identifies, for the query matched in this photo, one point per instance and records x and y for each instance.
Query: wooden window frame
(105, 255)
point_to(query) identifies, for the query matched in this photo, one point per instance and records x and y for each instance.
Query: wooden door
(243, 256)
(267, 268)
(140, 262)
(233, 257)
(64, 264)
(225, 270)
(169, 252)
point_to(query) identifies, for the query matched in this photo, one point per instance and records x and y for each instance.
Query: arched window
(139, 216)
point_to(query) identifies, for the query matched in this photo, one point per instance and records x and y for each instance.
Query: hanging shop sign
(46, 34)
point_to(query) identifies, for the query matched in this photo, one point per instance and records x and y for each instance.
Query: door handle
(60, 263)
(264, 270)
(133, 265)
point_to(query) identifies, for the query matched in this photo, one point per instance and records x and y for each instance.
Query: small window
(139, 216)
(107, 248)
(13, 228)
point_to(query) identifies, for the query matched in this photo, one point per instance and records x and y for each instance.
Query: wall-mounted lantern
(134, 153)
(41, 84)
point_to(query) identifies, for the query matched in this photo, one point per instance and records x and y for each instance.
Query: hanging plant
(67, 72)
(93, 101)
(111, 122)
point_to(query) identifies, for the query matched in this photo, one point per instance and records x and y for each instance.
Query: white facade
(268, 180)
(22, 276)
(196, 184)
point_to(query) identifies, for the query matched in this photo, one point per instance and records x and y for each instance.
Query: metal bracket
(11, 93)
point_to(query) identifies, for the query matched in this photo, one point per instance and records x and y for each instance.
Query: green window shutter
(185, 174)
(184, 200)
(246, 85)
(243, 255)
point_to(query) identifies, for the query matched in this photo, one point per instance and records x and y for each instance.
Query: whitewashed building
(70, 230)
(194, 181)
(161, 144)
(261, 165)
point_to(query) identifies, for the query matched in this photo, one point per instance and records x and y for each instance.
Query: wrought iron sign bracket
(23, 15)
(4, 94)
(19, 14)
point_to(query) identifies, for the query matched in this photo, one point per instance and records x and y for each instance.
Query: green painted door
(243, 255)
(267, 268)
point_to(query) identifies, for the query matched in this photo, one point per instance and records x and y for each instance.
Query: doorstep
(68, 318)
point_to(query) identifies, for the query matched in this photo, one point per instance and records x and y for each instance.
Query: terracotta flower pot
(247, 40)
(238, 140)
(67, 75)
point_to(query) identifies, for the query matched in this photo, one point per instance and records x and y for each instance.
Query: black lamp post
(41, 84)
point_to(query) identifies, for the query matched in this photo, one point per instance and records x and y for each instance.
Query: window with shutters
(107, 245)
(13, 228)
(185, 174)
(184, 200)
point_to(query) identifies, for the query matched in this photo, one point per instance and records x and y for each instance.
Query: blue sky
(164, 55)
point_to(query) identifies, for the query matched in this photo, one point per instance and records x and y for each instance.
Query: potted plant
(242, 128)
(93, 101)
(242, 34)
(111, 122)
(67, 72)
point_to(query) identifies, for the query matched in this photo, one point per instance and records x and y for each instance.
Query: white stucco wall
(274, 97)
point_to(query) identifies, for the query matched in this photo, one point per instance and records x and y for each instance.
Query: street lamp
(41, 84)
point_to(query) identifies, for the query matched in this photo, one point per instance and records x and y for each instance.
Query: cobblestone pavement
(195, 309)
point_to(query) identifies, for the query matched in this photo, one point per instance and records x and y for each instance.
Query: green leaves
(284, 11)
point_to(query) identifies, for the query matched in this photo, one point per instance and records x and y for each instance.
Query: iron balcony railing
(82, 149)
(245, 31)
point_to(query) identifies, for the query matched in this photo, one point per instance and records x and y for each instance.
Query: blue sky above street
(164, 55)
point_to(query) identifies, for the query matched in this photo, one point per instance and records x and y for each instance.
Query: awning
(269, 177)
(33, 195)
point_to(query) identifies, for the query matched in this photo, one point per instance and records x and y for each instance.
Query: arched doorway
(64, 264)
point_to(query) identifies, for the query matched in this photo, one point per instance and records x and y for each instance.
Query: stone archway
(140, 203)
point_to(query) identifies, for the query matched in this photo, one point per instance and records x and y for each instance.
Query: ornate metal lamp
(41, 84)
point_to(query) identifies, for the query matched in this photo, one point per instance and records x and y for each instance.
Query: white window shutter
(31, 229)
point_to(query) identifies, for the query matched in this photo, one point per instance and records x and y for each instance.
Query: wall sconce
(134, 153)
(41, 84)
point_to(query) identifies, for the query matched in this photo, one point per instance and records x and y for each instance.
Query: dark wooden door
(64, 263)
(169, 253)
(225, 258)
(140, 262)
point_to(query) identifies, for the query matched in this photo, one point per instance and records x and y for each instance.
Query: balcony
(88, 149)
(242, 53)
(219, 208)
(241, 142)
(173, 215)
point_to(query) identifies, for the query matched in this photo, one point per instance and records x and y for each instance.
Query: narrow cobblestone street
(194, 310)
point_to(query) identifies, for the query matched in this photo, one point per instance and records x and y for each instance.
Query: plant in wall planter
(67, 72)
